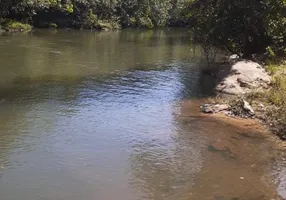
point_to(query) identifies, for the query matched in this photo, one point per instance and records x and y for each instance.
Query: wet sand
(240, 158)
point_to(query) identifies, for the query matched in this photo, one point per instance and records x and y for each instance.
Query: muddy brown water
(114, 115)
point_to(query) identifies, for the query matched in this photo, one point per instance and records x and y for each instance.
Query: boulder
(242, 77)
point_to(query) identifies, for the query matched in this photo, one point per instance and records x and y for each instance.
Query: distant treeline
(94, 13)
(244, 27)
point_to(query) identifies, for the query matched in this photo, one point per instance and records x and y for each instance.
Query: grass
(277, 93)
(272, 68)
(275, 98)
(270, 104)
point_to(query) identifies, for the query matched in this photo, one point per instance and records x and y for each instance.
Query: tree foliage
(92, 13)
(244, 27)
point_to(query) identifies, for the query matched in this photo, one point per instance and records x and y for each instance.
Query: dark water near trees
(102, 115)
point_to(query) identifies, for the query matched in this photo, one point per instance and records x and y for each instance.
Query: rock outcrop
(241, 78)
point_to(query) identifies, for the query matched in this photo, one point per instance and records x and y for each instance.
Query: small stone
(247, 107)
(206, 108)
(233, 57)
(242, 178)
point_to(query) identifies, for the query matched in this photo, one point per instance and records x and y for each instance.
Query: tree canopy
(244, 27)
(86, 13)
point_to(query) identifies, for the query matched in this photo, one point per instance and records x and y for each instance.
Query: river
(113, 115)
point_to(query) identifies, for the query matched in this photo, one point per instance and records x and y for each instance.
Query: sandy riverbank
(243, 160)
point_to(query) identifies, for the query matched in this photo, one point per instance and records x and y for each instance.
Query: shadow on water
(52, 56)
(209, 78)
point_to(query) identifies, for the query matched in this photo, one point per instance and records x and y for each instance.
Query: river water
(113, 115)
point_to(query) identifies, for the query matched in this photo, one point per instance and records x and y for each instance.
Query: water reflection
(72, 55)
(70, 128)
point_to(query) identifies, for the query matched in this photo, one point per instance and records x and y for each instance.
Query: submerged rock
(224, 147)
(242, 77)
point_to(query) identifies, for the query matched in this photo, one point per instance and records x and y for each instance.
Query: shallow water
(102, 115)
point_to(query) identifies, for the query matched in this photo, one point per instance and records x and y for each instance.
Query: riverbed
(114, 115)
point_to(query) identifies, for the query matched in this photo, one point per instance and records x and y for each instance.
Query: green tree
(93, 13)
(245, 27)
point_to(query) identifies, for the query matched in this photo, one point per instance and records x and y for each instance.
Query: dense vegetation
(244, 27)
(93, 13)
(254, 29)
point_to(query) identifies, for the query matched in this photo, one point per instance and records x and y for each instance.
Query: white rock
(247, 107)
(233, 57)
(242, 77)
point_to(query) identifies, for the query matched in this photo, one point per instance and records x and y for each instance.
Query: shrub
(15, 26)
(53, 25)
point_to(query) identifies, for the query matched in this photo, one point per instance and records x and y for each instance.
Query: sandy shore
(242, 158)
